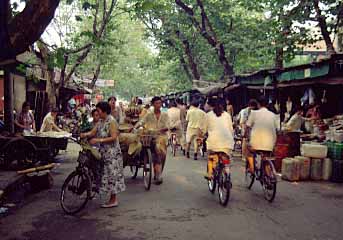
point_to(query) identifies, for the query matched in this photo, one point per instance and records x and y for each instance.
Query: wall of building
(19, 91)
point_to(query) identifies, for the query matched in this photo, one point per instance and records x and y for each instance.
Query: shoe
(195, 156)
(184, 152)
(188, 155)
(106, 205)
(158, 181)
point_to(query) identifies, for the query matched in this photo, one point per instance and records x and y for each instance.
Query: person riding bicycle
(262, 125)
(218, 125)
(175, 125)
(157, 122)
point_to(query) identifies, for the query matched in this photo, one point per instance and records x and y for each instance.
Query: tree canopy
(152, 47)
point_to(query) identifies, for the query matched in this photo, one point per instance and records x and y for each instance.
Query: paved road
(182, 208)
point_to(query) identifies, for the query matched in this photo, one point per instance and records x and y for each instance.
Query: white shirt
(263, 124)
(174, 115)
(220, 132)
(294, 124)
(243, 115)
(195, 117)
(48, 123)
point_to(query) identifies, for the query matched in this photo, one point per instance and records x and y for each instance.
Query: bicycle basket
(146, 140)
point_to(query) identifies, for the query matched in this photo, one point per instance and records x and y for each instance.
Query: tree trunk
(206, 30)
(188, 51)
(324, 28)
(26, 27)
(185, 68)
(279, 57)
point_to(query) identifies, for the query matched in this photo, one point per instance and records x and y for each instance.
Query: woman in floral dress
(106, 135)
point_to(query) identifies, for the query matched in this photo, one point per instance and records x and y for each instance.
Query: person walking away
(218, 124)
(262, 125)
(194, 119)
(25, 120)
(49, 122)
(115, 110)
(175, 125)
(157, 122)
(106, 135)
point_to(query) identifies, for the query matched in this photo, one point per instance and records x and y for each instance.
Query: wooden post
(8, 102)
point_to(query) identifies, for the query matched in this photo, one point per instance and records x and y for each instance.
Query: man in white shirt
(263, 124)
(49, 122)
(195, 119)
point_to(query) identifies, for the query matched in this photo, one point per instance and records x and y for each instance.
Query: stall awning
(302, 74)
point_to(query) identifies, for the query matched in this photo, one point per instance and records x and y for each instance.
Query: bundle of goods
(132, 114)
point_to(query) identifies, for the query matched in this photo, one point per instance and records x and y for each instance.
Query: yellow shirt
(150, 122)
(195, 117)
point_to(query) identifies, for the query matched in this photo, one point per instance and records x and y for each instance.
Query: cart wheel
(19, 153)
(134, 171)
(147, 168)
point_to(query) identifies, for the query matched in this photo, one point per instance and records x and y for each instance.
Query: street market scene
(171, 119)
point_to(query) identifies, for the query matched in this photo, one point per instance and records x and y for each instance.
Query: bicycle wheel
(212, 184)
(224, 187)
(147, 168)
(76, 191)
(249, 177)
(269, 181)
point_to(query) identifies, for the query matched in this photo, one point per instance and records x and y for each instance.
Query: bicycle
(221, 176)
(264, 171)
(174, 143)
(82, 184)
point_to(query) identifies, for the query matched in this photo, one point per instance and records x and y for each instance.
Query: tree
(22, 30)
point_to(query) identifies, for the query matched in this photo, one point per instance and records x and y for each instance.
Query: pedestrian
(106, 135)
(96, 117)
(25, 120)
(218, 124)
(194, 118)
(116, 111)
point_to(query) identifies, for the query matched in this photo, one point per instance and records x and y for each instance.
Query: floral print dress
(112, 181)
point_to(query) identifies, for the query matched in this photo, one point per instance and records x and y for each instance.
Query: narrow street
(183, 208)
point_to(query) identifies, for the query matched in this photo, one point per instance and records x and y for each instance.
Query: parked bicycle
(221, 176)
(264, 171)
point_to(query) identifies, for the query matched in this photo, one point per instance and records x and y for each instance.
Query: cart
(20, 152)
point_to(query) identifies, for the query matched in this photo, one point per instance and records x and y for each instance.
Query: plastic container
(327, 169)
(338, 136)
(337, 171)
(314, 150)
(335, 150)
(316, 169)
(305, 167)
(290, 169)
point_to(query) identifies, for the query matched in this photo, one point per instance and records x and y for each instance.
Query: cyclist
(262, 125)
(218, 125)
(175, 125)
(158, 122)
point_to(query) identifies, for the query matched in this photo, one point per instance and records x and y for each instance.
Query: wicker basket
(146, 140)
